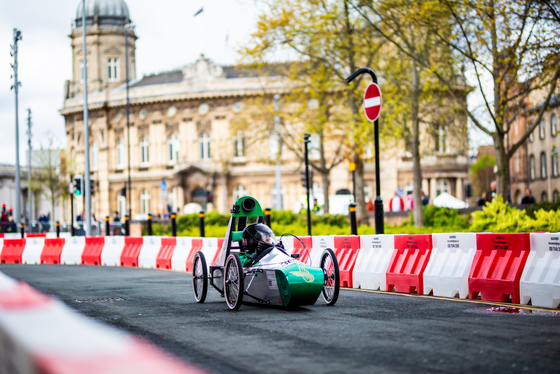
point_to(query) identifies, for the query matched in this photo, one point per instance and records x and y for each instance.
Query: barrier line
(526, 307)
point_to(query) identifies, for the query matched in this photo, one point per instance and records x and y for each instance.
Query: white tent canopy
(445, 200)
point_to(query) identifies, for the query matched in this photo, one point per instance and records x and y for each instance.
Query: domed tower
(105, 38)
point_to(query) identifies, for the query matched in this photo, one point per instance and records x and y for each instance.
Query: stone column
(426, 186)
(432, 188)
(459, 191)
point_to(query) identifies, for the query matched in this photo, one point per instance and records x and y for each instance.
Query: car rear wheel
(331, 285)
(233, 282)
(200, 277)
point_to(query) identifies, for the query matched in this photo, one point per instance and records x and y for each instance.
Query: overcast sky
(169, 37)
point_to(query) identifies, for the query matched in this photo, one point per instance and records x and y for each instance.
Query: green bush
(545, 205)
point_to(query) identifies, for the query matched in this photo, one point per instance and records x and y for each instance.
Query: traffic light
(304, 179)
(92, 187)
(123, 191)
(3, 207)
(78, 186)
(469, 190)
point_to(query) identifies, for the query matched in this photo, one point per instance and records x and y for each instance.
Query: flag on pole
(200, 11)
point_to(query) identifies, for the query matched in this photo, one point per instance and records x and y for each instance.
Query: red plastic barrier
(300, 250)
(52, 250)
(408, 262)
(36, 235)
(497, 266)
(131, 251)
(12, 251)
(346, 249)
(220, 243)
(92, 250)
(163, 260)
(196, 246)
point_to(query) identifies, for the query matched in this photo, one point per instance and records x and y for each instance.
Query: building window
(532, 136)
(204, 141)
(144, 152)
(542, 129)
(172, 149)
(82, 71)
(112, 70)
(239, 191)
(120, 154)
(442, 185)
(93, 152)
(145, 202)
(555, 196)
(543, 196)
(239, 144)
(554, 163)
(543, 165)
(440, 139)
(553, 127)
(532, 167)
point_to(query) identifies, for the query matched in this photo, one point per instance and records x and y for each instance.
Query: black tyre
(331, 286)
(233, 282)
(199, 277)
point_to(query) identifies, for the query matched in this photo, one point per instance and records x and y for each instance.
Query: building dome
(103, 13)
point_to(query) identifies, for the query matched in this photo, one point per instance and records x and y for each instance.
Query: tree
(328, 35)
(402, 24)
(482, 174)
(48, 166)
(512, 47)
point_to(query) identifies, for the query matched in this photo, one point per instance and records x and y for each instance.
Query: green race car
(252, 267)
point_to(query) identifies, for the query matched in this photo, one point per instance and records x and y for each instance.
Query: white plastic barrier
(1, 245)
(14, 235)
(33, 249)
(52, 235)
(72, 251)
(112, 250)
(447, 273)
(181, 253)
(318, 245)
(370, 270)
(540, 281)
(288, 242)
(209, 249)
(148, 254)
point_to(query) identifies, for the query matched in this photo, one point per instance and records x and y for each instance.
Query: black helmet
(255, 234)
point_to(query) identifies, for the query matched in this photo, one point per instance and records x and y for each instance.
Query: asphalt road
(364, 333)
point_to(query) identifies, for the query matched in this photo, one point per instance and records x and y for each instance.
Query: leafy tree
(482, 174)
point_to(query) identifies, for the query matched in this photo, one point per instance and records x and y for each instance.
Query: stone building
(181, 132)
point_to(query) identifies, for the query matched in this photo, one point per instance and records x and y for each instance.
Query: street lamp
(126, 28)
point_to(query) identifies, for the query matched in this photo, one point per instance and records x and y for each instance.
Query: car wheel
(233, 282)
(331, 285)
(200, 277)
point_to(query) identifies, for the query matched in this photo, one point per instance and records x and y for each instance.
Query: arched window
(554, 163)
(542, 129)
(543, 196)
(172, 149)
(120, 154)
(145, 202)
(93, 155)
(532, 167)
(239, 144)
(553, 127)
(532, 136)
(144, 152)
(442, 185)
(555, 196)
(239, 191)
(204, 142)
(543, 165)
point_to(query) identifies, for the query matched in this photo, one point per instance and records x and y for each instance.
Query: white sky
(169, 37)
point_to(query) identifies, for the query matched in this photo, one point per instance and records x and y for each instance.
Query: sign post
(372, 109)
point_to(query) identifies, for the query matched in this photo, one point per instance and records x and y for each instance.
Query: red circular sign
(372, 101)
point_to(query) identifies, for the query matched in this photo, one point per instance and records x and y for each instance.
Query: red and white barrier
(370, 271)
(131, 251)
(318, 245)
(73, 250)
(165, 255)
(112, 251)
(39, 334)
(149, 252)
(209, 249)
(346, 249)
(540, 281)
(33, 249)
(92, 250)
(181, 253)
(408, 262)
(196, 246)
(447, 273)
(52, 251)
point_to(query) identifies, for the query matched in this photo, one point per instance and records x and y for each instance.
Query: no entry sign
(372, 102)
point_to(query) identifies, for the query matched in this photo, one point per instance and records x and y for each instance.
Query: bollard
(107, 225)
(353, 223)
(57, 229)
(173, 224)
(267, 217)
(149, 224)
(126, 225)
(201, 223)
(22, 227)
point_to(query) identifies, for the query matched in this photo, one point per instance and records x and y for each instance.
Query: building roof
(104, 13)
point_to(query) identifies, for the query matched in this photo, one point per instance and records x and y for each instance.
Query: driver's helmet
(255, 234)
